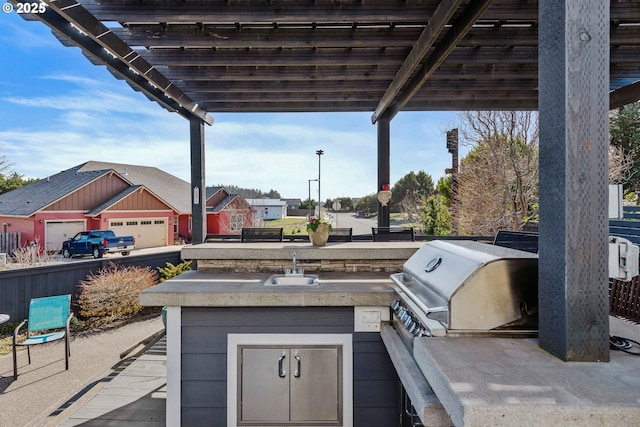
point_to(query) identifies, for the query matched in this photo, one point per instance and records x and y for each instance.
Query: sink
(292, 280)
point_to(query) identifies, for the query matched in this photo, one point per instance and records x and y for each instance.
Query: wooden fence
(9, 242)
(18, 286)
(624, 299)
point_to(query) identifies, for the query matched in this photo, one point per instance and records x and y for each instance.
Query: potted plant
(318, 230)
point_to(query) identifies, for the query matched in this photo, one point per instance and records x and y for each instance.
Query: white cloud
(58, 111)
(106, 121)
(26, 35)
(255, 155)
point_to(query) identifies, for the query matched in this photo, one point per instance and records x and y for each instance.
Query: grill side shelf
(424, 400)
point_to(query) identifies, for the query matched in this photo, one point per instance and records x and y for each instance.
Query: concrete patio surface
(136, 395)
(46, 395)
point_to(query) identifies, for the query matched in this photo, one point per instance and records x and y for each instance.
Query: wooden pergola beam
(436, 25)
(460, 28)
(625, 95)
(397, 11)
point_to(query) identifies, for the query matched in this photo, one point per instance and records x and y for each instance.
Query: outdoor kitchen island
(479, 381)
(222, 318)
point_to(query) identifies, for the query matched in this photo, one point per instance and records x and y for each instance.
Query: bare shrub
(498, 178)
(32, 254)
(620, 165)
(112, 294)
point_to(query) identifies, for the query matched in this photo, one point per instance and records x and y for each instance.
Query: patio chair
(47, 316)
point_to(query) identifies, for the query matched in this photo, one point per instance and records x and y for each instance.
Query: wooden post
(384, 154)
(198, 189)
(573, 104)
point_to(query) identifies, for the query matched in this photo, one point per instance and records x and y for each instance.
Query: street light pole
(309, 205)
(319, 153)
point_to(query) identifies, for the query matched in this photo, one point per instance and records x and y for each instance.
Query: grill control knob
(413, 328)
(410, 324)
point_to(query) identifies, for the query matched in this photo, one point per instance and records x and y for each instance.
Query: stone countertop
(304, 251)
(209, 289)
(509, 382)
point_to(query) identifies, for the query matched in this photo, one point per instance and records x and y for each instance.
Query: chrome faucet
(295, 263)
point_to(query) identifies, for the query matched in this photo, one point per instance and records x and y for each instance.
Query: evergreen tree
(13, 181)
(435, 217)
(624, 130)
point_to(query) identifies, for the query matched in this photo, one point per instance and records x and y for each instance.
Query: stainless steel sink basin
(292, 280)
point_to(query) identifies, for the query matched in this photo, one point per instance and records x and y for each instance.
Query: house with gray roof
(142, 201)
(227, 213)
(268, 209)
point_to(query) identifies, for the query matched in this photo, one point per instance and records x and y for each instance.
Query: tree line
(496, 187)
(252, 193)
(10, 180)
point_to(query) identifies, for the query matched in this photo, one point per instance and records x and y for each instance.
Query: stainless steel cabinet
(290, 385)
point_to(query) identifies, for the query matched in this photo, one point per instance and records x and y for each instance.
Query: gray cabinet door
(264, 384)
(315, 374)
(290, 385)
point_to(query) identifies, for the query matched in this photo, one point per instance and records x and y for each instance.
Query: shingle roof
(210, 191)
(266, 202)
(292, 201)
(223, 203)
(27, 200)
(172, 190)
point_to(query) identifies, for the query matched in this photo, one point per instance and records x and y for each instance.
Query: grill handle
(423, 307)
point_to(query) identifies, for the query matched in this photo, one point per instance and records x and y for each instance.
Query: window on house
(236, 222)
(175, 224)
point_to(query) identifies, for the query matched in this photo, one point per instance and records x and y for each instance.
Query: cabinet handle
(281, 372)
(298, 371)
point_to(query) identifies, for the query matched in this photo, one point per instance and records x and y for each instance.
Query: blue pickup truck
(97, 243)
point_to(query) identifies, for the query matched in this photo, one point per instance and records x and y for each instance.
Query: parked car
(361, 214)
(97, 243)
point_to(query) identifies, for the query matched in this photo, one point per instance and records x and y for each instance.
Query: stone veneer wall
(279, 266)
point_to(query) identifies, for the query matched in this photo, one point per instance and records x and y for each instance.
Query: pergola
(570, 60)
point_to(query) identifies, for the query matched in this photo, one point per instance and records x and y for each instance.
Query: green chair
(45, 314)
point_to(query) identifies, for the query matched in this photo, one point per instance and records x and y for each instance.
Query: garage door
(56, 232)
(149, 232)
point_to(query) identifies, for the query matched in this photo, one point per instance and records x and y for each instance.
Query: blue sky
(57, 110)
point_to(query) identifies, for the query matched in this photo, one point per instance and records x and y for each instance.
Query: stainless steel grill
(460, 288)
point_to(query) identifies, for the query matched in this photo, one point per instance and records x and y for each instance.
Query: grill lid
(469, 285)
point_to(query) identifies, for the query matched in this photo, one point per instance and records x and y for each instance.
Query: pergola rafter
(389, 56)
